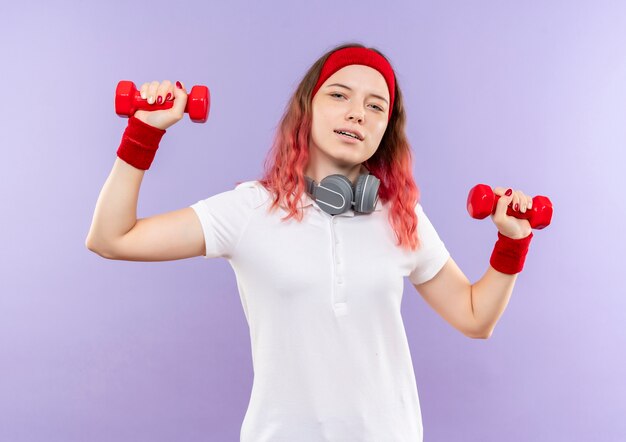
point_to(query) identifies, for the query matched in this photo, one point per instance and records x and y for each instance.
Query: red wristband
(509, 254)
(139, 143)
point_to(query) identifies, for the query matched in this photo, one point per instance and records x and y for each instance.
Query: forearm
(116, 209)
(490, 296)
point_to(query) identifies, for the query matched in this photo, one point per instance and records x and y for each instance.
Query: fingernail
(159, 100)
(178, 85)
(169, 95)
(516, 206)
(509, 192)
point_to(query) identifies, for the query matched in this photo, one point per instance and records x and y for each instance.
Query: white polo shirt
(322, 300)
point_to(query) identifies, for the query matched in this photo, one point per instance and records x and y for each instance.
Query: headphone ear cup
(334, 194)
(366, 193)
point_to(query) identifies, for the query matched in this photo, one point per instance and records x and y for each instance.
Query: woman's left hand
(509, 225)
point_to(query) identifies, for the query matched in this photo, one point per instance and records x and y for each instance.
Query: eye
(333, 94)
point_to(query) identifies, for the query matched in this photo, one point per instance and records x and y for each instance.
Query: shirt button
(340, 281)
(335, 220)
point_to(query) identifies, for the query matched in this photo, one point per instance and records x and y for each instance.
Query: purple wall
(530, 95)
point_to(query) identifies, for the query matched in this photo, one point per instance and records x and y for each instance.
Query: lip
(354, 131)
(347, 139)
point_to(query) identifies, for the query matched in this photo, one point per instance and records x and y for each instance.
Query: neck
(318, 173)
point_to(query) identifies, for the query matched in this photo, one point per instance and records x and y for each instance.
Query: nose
(356, 115)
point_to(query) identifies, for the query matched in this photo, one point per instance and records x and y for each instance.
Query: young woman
(320, 246)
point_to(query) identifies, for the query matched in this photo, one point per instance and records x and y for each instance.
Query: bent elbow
(482, 334)
(98, 251)
(486, 335)
(90, 246)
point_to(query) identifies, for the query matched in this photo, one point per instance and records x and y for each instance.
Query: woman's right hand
(162, 119)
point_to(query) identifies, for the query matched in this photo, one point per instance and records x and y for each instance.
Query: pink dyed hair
(391, 163)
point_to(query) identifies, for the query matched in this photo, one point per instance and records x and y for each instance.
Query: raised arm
(474, 309)
(115, 231)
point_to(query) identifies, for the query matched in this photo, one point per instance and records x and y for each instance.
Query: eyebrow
(344, 86)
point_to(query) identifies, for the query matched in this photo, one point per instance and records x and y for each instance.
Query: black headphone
(335, 194)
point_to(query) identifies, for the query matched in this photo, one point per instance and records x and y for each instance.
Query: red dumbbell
(128, 100)
(481, 202)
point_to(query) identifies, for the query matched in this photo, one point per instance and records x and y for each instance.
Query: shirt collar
(307, 201)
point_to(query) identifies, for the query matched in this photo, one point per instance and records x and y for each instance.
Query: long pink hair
(391, 163)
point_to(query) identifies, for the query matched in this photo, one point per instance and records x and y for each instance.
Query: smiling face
(354, 99)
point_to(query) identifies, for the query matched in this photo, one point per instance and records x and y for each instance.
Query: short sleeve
(224, 218)
(432, 254)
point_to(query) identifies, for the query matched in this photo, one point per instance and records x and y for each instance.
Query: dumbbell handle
(128, 101)
(482, 202)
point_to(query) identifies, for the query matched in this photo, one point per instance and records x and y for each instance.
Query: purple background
(529, 95)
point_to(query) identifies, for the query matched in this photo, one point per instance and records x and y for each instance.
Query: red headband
(364, 56)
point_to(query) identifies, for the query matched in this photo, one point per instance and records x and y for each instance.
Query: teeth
(347, 133)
